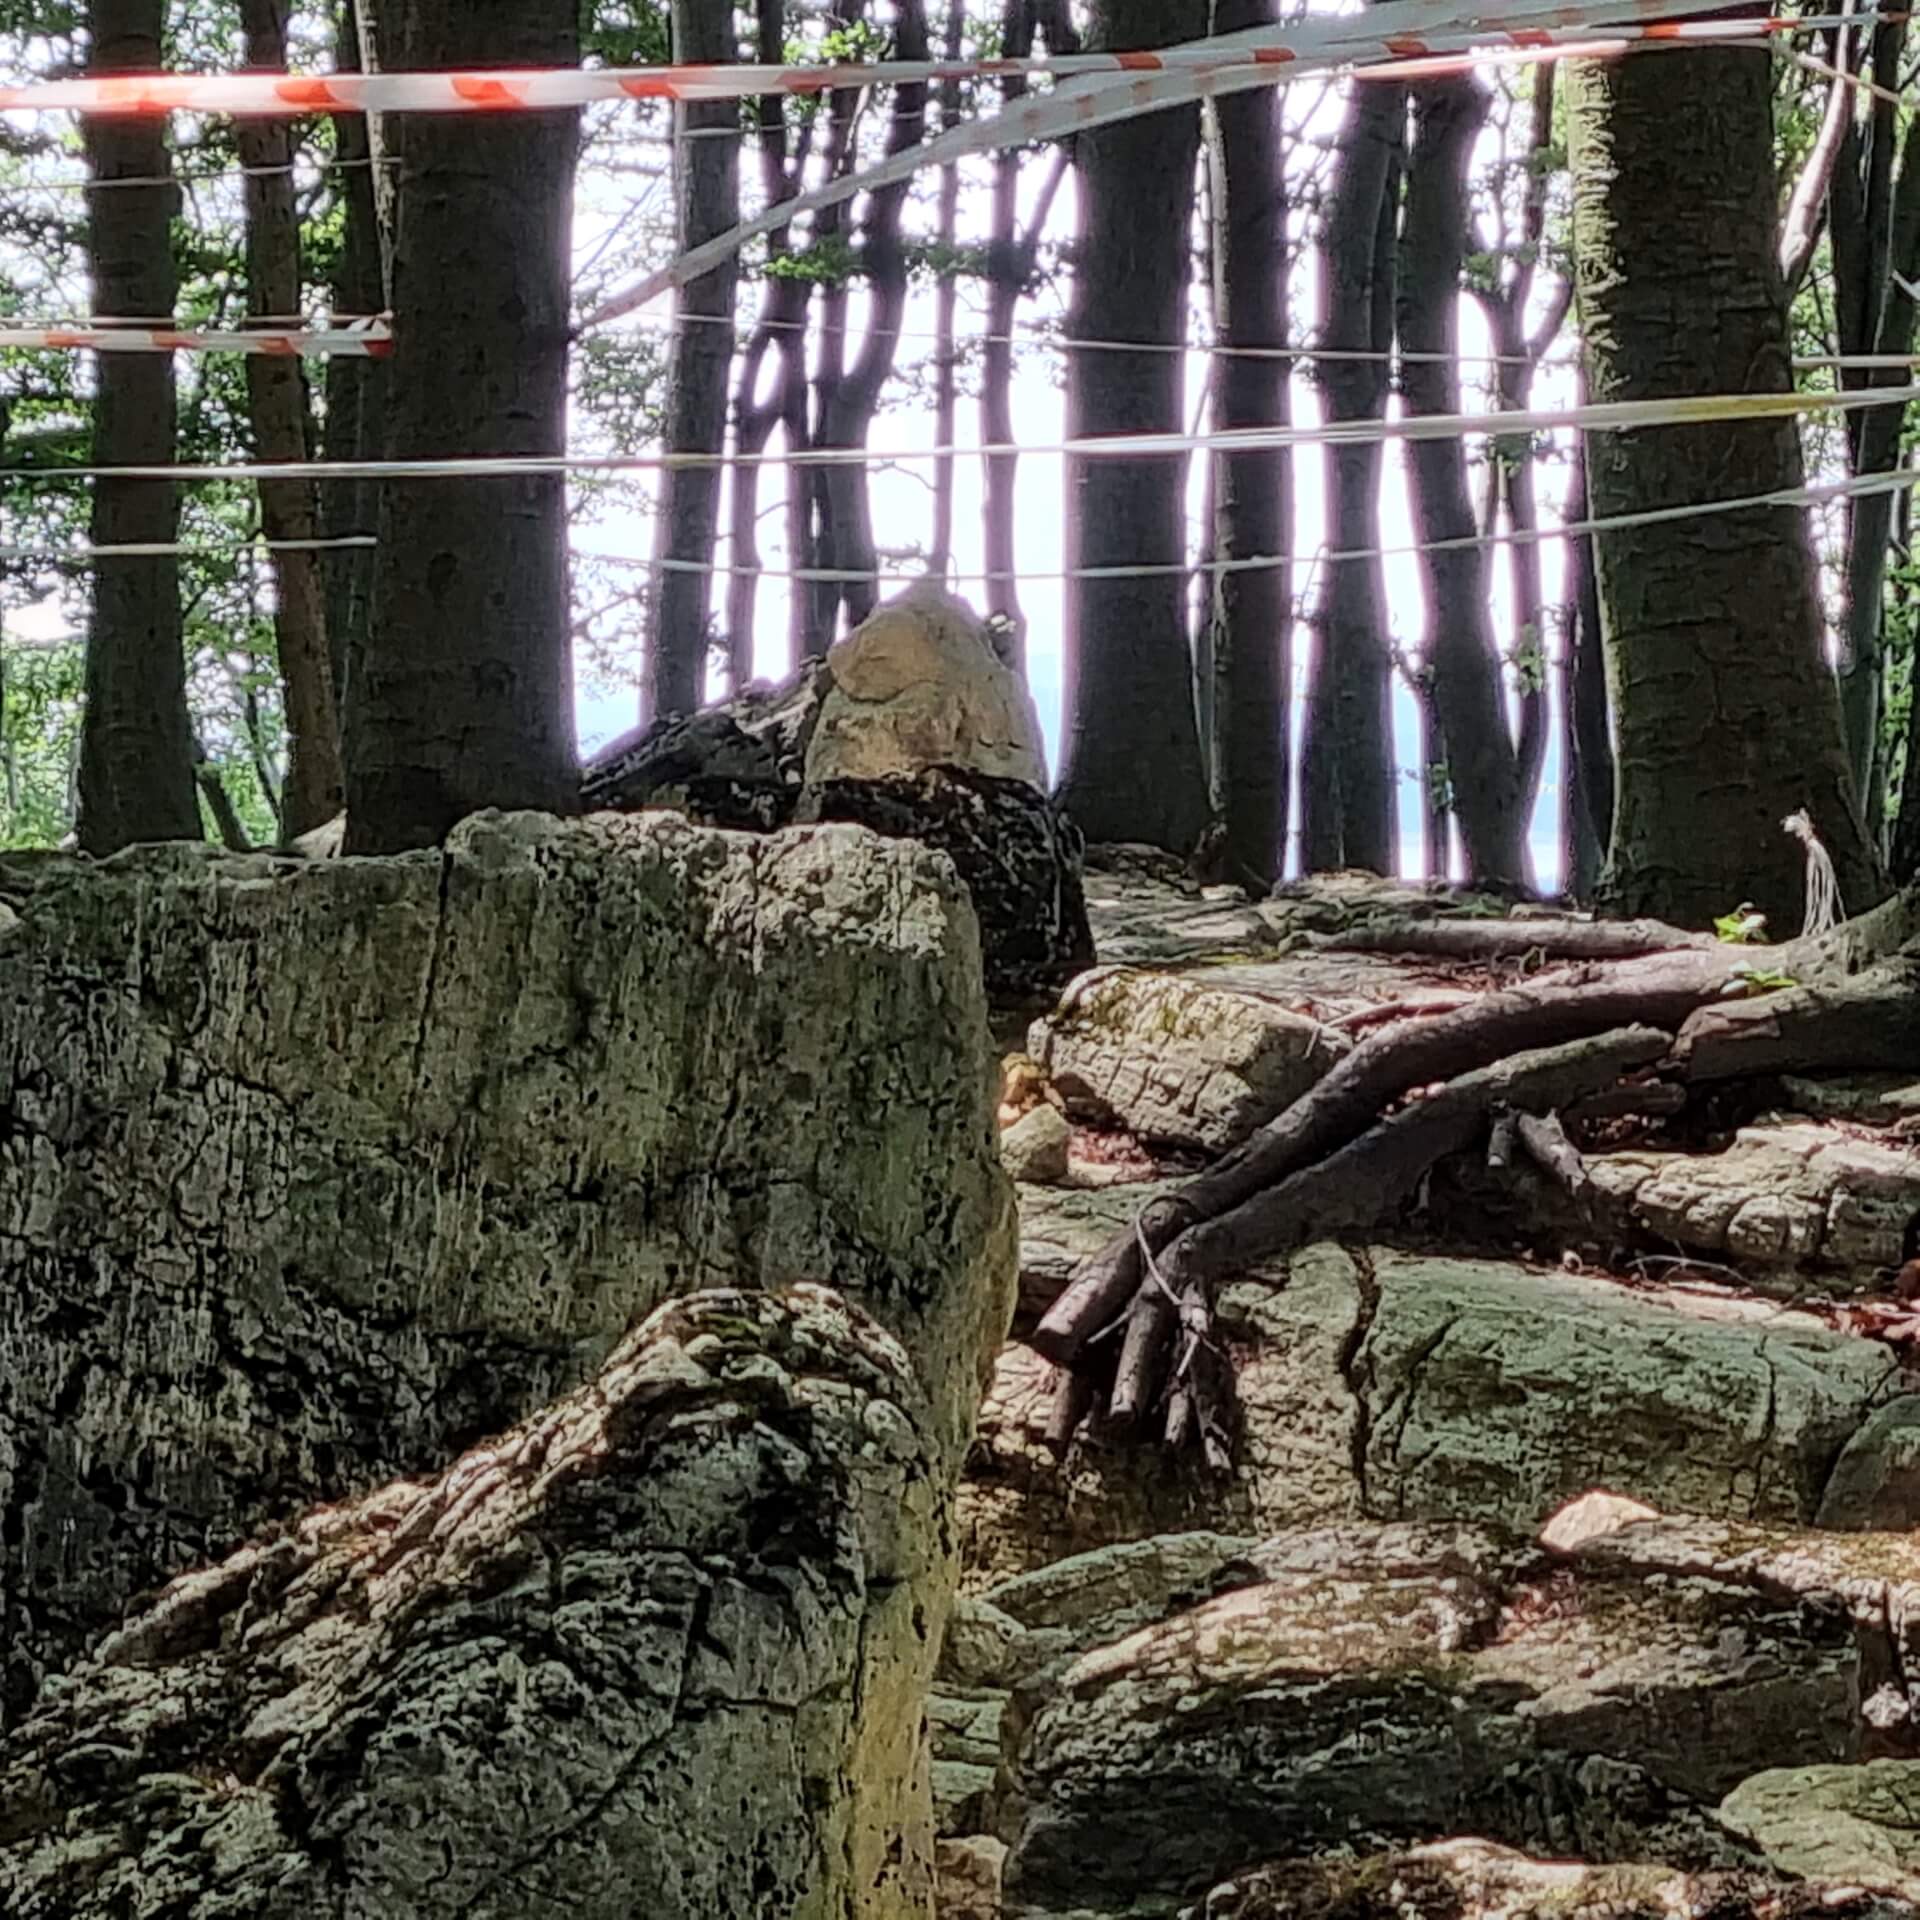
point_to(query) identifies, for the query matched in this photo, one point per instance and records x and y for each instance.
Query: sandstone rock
(1034, 1148)
(1473, 1880)
(1399, 1385)
(312, 1173)
(969, 1878)
(1016, 851)
(1434, 1680)
(601, 1666)
(920, 684)
(1850, 1824)
(1875, 1484)
(1177, 1062)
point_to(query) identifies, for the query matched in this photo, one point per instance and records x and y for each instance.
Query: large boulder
(315, 1173)
(919, 683)
(912, 726)
(1018, 854)
(657, 1650)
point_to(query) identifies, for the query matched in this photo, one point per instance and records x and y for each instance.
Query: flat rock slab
(1860, 1824)
(1389, 1684)
(1397, 1385)
(312, 1173)
(1178, 1062)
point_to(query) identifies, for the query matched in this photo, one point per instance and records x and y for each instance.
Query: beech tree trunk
(1483, 773)
(1251, 611)
(1347, 751)
(1587, 734)
(464, 697)
(707, 202)
(848, 416)
(1132, 767)
(356, 386)
(1875, 446)
(1726, 715)
(780, 333)
(282, 419)
(136, 775)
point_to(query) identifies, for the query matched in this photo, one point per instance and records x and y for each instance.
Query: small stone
(1034, 1149)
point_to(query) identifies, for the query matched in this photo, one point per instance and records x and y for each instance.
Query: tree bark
(1483, 773)
(282, 418)
(781, 333)
(136, 741)
(707, 202)
(356, 386)
(1251, 613)
(1587, 740)
(848, 415)
(1347, 752)
(1132, 760)
(1875, 444)
(946, 308)
(1726, 715)
(464, 697)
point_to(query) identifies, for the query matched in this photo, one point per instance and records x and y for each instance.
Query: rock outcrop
(312, 1174)
(913, 726)
(1365, 1686)
(657, 1650)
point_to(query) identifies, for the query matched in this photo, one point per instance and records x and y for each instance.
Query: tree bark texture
(1132, 767)
(1348, 770)
(464, 697)
(1483, 773)
(1587, 735)
(1725, 713)
(1875, 445)
(706, 179)
(282, 419)
(356, 385)
(136, 741)
(848, 416)
(1251, 612)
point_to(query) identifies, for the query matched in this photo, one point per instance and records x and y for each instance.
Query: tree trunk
(1587, 738)
(707, 202)
(1347, 795)
(1132, 761)
(282, 418)
(136, 742)
(1483, 774)
(356, 386)
(1725, 713)
(781, 332)
(946, 306)
(848, 417)
(464, 698)
(1875, 443)
(1251, 615)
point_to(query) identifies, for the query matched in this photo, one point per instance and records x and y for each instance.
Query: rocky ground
(1565, 1520)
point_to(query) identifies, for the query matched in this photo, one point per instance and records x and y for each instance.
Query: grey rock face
(659, 1649)
(314, 1173)
(1370, 1685)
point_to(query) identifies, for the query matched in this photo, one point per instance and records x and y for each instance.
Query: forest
(959, 963)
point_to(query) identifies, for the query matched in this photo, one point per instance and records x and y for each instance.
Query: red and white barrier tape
(1433, 36)
(371, 343)
(494, 90)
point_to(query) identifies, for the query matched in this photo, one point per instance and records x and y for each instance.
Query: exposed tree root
(1133, 1332)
